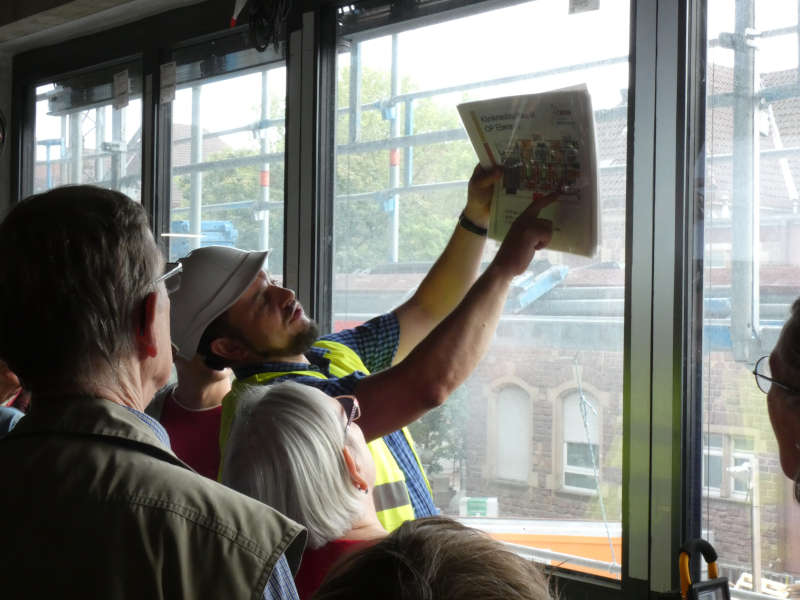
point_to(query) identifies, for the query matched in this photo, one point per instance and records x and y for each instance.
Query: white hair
(285, 449)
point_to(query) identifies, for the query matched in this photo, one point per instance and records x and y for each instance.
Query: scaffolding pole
(196, 191)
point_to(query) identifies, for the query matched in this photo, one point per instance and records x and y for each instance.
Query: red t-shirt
(316, 564)
(194, 435)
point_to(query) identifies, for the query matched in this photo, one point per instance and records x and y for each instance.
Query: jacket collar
(86, 415)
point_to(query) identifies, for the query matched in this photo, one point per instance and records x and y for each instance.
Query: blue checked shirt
(375, 342)
(280, 585)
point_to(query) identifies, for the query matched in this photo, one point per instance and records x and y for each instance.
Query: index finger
(543, 202)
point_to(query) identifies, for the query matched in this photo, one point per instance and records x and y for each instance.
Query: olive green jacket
(95, 507)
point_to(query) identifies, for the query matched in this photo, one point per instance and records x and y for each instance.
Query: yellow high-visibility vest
(391, 497)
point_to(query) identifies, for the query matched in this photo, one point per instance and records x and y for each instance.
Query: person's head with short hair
(80, 305)
(294, 448)
(783, 394)
(435, 558)
(232, 313)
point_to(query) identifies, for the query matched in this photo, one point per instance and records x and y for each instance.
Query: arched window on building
(580, 454)
(514, 429)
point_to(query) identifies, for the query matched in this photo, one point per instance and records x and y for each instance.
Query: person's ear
(354, 468)
(146, 335)
(229, 348)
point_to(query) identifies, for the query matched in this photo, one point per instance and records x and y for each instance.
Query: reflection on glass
(535, 435)
(227, 164)
(751, 276)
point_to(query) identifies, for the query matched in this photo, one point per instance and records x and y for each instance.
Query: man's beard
(299, 344)
(302, 341)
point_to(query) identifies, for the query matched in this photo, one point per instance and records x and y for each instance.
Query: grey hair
(285, 449)
(78, 262)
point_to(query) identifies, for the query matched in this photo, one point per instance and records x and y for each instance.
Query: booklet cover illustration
(545, 144)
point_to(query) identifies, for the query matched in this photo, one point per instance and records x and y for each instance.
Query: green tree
(363, 223)
(240, 184)
(440, 436)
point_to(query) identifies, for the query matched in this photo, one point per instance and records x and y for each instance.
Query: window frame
(234, 42)
(558, 397)
(149, 40)
(728, 456)
(99, 72)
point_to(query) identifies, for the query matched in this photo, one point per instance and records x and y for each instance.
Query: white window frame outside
(557, 396)
(565, 466)
(728, 454)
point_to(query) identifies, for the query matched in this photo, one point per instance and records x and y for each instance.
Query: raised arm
(453, 273)
(437, 365)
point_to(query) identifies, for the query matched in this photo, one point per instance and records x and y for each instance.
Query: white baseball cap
(212, 280)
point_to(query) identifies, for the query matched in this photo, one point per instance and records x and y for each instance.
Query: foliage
(364, 222)
(363, 213)
(440, 436)
(239, 184)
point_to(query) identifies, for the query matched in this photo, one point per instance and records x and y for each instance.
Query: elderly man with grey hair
(99, 505)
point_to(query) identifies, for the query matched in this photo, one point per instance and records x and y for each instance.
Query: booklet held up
(545, 144)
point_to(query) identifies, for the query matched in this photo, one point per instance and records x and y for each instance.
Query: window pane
(713, 440)
(88, 134)
(581, 455)
(396, 205)
(580, 481)
(228, 137)
(751, 275)
(580, 419)
(712, 471)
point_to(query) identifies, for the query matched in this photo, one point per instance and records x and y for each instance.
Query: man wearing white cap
(400, 365)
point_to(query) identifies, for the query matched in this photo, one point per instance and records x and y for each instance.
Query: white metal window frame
(580, 439)
(568, 469)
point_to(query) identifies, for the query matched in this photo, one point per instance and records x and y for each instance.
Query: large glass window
(402, 162)
(228, 132)
(89, 130)
(751, 276)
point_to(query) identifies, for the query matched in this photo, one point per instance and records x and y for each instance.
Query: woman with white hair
(298, 450)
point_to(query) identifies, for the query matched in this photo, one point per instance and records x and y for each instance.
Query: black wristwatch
(471, 226)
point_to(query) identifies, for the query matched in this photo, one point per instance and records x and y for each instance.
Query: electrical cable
(268, 22)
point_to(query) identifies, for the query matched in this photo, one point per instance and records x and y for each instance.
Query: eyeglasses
(351, 408)
(171, 277)
(764, 378)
